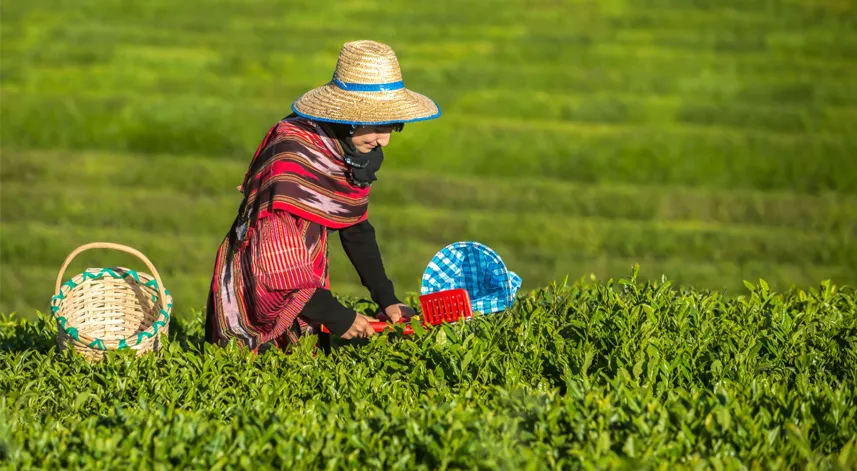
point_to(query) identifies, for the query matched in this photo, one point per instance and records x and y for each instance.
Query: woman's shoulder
(297, 134)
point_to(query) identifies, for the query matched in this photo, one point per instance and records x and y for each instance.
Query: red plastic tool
(449, 305)
(442, 306)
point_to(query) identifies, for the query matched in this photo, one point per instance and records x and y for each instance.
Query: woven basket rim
(100, 344)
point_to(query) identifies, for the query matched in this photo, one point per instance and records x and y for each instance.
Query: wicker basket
(105, 309)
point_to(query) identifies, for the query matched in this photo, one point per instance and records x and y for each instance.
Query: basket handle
(122, 248)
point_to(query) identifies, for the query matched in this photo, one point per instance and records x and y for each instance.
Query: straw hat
(366, 88)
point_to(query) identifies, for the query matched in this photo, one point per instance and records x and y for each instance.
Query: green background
(709, 141)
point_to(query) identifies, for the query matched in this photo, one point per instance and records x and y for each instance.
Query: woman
(311, 175)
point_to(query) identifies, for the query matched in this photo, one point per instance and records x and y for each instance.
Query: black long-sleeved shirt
(361, 246)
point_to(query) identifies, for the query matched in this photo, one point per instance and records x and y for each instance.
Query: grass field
(712, 142)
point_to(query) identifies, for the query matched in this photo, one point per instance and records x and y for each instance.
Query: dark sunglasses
(396, 127)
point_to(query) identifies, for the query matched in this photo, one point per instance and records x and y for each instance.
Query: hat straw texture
(366, 88)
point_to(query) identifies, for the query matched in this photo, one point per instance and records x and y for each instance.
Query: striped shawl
(275, 255)
(298, 168)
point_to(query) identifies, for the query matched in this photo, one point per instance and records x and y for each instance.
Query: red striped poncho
(275, 255)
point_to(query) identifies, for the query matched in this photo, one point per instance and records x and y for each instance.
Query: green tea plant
(620, 374)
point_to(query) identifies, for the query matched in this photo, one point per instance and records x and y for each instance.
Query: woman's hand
(396, 312)
(360, 329)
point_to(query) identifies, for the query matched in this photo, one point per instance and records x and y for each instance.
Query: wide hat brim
(332, 103)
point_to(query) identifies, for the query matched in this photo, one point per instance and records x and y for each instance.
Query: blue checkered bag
(477, 269)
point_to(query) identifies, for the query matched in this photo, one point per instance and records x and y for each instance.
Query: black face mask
(361, 166)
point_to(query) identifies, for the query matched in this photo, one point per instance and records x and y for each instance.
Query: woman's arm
(360, 245)
(325, 309)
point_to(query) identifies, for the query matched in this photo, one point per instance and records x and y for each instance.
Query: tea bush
(592, 375)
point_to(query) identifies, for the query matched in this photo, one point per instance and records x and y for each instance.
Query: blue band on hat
(369, 87)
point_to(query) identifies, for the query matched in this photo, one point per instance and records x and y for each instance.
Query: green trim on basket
(163, 318)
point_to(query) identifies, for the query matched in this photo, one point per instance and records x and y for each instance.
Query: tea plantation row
(615, 375)
(184, 184)
(176, 209)
(571, 149)
(678, 93)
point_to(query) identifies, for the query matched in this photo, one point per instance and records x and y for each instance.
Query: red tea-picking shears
(442, 306)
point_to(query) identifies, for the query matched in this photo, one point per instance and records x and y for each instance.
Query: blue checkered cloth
(477, 269)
